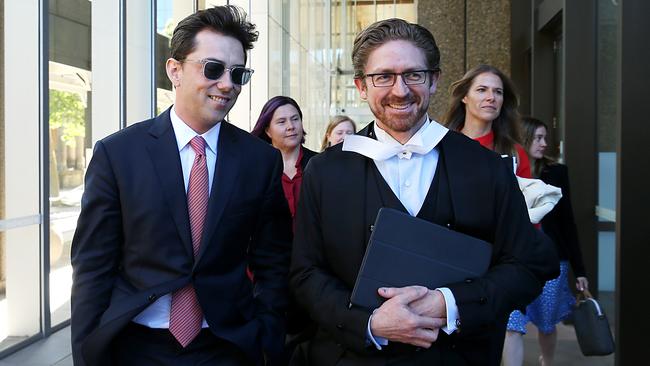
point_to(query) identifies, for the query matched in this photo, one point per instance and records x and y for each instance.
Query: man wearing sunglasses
(175, 210)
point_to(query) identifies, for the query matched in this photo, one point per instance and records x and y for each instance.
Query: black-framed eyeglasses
(213, 70)
(387, 79)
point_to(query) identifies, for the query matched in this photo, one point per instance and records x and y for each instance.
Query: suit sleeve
(269, 256)
(523, 259)
(95, 249)
(315, 287)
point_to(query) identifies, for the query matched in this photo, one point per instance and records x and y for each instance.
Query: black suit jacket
(306, 156)
(559, 224)
(133, 244)
(336, 209)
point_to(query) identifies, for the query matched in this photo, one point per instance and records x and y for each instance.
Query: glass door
(607, 134)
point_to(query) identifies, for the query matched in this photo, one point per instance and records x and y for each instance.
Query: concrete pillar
(468, 32)
(21, 196)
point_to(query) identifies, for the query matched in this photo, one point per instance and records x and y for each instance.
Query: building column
(22, 197)
(633, 195)
(468, 33)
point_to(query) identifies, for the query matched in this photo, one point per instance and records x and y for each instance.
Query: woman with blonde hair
(483, 106)
(339, 127)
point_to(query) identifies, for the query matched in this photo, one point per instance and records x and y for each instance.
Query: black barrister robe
(473, 192)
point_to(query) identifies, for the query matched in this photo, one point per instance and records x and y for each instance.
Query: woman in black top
(554, 304)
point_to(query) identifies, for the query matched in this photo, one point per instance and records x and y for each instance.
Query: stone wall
(468, 32)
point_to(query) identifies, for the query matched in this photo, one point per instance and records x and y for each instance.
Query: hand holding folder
(404, 250)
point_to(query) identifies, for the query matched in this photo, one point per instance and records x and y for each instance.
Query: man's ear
(435, 78)
(361, 87)
(174, 70)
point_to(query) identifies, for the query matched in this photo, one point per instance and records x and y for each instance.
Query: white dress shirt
(409, 170)
(156, 315)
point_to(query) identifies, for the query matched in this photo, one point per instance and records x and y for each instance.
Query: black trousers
(137, 345)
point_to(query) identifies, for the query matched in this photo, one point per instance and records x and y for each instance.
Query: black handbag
(591, 326)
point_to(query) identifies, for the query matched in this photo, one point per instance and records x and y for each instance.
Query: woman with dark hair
(339, 127)
(483, 106)
(280, 124)
(556, 300)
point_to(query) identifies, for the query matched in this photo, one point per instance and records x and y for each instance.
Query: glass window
(607, 134)
(70, 141)
(348, 18)
(20, 170)
(168, 14)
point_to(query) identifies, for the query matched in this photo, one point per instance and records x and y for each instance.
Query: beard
(397, 120)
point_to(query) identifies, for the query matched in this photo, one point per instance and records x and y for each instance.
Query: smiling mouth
(399, 106)
(219, 99)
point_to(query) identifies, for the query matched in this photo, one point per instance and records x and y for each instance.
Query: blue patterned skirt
(553, 305)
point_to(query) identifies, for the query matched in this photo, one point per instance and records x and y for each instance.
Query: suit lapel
(226, 173)
(457, 174)
(163, 151)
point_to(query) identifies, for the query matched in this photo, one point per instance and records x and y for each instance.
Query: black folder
(404, 250)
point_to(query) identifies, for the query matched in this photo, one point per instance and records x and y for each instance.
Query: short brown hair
(393, 29)
(228, 20)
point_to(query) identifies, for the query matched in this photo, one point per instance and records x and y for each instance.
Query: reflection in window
(168, 14)
(70, 82)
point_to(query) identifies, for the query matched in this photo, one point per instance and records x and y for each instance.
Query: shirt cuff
(452, 311)
(376, 341)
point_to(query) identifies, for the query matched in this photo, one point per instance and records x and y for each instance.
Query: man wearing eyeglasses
(175, 210)
(407, 161)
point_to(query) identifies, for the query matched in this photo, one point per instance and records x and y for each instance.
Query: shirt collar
(385, 147)
(185, 133)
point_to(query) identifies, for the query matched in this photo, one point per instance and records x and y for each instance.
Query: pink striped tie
(186, 316)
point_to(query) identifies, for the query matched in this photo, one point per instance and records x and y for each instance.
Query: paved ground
(55, 351)
(567, 352)
(52, 351)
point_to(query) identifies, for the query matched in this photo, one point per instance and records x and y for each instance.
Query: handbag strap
(585, 295)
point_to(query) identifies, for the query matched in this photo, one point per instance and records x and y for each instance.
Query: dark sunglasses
(213, 70)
